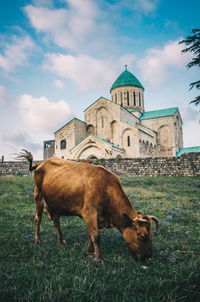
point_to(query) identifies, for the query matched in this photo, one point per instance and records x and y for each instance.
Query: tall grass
(48, 272)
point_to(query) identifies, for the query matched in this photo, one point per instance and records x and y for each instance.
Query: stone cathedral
(119, 127)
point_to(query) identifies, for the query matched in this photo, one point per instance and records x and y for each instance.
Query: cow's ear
(128, 221)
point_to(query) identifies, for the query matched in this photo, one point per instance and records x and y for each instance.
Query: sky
(59, 56)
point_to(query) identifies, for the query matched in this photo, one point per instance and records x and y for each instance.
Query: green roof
(126, 78)
(107, 142)
(187, 150)
(158, 113)
(100, 139)
(146, 127)
(68, 123)
(101, 97)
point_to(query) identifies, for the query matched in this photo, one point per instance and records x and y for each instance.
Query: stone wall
(188, 164)
(13, 168)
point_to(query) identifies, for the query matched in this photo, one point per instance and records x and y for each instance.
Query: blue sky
(59, 56)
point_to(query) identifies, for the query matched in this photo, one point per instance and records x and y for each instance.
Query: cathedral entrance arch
(92, 157)
(90, 151)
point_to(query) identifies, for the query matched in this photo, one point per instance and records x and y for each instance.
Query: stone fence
(188, 164)
(14, 168)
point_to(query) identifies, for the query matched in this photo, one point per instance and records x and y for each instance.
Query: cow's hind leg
(38, 214)
(90, 217)
(56, 221)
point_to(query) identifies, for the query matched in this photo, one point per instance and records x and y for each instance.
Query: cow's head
(138, 235)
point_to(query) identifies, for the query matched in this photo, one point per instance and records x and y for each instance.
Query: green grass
(52, 273)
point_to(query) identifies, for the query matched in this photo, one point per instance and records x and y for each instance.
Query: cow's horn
(156, 221)
(142, 220)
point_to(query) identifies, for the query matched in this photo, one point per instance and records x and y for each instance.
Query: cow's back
(67, 184)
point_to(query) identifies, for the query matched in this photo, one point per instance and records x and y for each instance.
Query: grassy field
(52, 273)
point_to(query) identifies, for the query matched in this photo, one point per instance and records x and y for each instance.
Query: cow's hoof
(90, 255)
(63, 242)
(99, 261)
(38, 241)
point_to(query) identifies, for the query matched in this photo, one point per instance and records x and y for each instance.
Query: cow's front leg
(90, 247)
(90, 218)
(56, 221)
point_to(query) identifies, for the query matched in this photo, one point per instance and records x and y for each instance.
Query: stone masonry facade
(119, 128)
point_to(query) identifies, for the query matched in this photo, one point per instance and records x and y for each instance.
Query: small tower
(128, 91)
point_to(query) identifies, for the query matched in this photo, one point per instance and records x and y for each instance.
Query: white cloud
(89, 9)
(4, 97)
(59, 83)
(16, 52)
(145, 6)
(47, 3)
(128, 59)
(190, 113)
(68, 27)
(155, 67)
(18, 139)
(142, 7)
(43, 115)
(87, 73)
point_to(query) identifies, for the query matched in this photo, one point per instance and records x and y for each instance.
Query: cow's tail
(28, 156)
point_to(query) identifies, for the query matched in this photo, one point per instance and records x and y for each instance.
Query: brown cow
(64, 187)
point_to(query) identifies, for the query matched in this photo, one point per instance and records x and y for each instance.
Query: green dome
(126, 78)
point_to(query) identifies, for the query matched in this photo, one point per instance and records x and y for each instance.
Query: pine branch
(194, 41)
(197, 84)
(196, 101)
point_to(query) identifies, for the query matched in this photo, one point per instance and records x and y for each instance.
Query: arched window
(121, 98)
(128, 141)
(63, 144)
(127, 98)
(139, 100)
(102, 122)
(114, 132)
(115, 98)
(134, 100)
(90, 129)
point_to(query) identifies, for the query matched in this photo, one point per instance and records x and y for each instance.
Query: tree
(194, 42)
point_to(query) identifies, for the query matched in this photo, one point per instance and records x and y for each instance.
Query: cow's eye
(133, 227)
